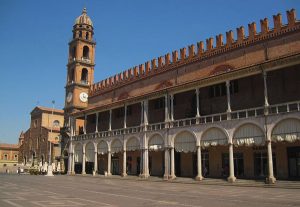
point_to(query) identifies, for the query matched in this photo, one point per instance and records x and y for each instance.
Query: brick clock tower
(80, 71)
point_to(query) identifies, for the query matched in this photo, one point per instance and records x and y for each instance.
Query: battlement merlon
(164, 62)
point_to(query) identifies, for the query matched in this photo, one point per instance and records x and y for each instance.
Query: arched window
(87, 36)
(74, 53)
(55, 123)
(86, 52)
(80, 34)
(71, 75)
(84, 76)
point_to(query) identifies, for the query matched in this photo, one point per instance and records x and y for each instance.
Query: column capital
(227, 83)
(264, 72)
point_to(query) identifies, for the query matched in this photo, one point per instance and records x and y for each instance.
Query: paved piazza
(26, 190)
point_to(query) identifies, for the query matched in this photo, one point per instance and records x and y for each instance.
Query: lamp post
(49, 171)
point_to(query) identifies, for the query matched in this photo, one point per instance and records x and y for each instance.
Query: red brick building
(227, 107)
(44, 129)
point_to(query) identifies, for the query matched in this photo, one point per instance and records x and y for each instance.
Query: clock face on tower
(83, 96)
(69, 97)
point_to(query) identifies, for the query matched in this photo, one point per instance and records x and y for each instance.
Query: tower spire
(84, 11)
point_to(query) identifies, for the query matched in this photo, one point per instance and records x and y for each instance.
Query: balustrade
(239, 114)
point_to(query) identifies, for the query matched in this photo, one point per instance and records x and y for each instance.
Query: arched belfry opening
(71, 75)
(84, 76)
(73, 53)
(86, 52)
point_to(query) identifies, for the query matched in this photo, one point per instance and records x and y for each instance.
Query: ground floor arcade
(245, 153)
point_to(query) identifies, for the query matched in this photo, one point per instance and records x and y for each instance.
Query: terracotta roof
(42, 108)
(9, 146)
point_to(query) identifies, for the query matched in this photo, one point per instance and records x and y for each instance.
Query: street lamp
(49, 171)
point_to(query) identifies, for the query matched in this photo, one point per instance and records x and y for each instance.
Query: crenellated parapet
(202, 51)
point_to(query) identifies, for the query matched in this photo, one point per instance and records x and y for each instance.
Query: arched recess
(65, 153)
(132, 144)
(185, 142)
(248, 134)
(42, 159)
(213, 137)
(90, 152)
(86, 52)
(116, 146)
(156, 155)
(102, 147)
(65, 161)
(71, 75)
(78, 153)
(286, 130)
(84, 75)
(73, 52)
(156, 142)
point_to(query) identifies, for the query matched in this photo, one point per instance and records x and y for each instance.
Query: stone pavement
(211, 181)
(63, 191)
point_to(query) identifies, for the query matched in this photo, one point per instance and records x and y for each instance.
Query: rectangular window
(159, 103)
(234, 87)
(119, 113)
(5, 157)
(219, 90)
(129, 110)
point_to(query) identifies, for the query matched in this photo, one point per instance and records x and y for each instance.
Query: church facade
(222, 109)
(44, 130)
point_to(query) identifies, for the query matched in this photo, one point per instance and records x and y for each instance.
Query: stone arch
(248, 134)
(78, 153)
(214, 136)
(132, 144)
(102, 147)
(156, 142)
(65, 153)
(86, 52)
(84, 75)
(89, 152)
(287, 129)
(185, 141)
(43, 159)
(116, 146)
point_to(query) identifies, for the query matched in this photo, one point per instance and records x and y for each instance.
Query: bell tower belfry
(80, 69)
(81, 64)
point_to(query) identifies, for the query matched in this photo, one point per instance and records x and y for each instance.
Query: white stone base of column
(172, 177)
(231, 179)
(83, 173)
(166, 177)
(107, 174)
(143, 176)
(270, 180)
(49, 171)
(124, 174)
(198, 178)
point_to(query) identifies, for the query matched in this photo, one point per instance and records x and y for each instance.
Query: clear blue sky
(34, 42)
